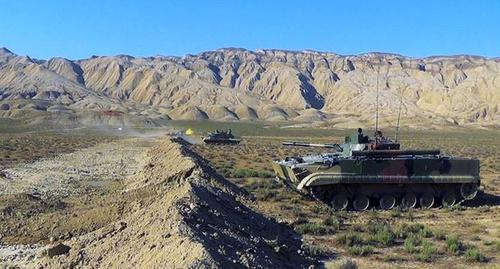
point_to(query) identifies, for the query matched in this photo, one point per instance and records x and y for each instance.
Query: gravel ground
(19, 255)
(65, 174)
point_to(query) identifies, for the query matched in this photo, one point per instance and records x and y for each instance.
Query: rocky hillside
(238, 84)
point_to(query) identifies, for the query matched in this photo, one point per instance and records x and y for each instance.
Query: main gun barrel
(313, 145)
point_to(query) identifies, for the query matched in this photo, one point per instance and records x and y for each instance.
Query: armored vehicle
(220, 137)
(366, 171)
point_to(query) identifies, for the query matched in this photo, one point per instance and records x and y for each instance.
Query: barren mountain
(238, 84)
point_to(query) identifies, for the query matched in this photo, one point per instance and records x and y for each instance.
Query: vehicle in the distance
(220, 137)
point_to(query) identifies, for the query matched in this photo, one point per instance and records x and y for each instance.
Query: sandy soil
(137, 203)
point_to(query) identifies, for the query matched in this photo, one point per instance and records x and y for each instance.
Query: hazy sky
(78, 29)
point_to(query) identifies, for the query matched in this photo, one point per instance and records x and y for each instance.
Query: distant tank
(365, 172)
(220, 137)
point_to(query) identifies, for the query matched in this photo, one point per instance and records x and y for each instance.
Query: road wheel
(387, 202)
(317, 193)
(426, 200)
(339, 201)
(469, 190)
(449, 199)
(408, 201)
(361, 202)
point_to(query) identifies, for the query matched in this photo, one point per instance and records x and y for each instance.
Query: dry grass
(396, 234)
(19, 148)
(373, 238)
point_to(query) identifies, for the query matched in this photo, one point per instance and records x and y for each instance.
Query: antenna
(376, 113)
(399, 112)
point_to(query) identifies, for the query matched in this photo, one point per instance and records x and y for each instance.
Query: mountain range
(238, 84)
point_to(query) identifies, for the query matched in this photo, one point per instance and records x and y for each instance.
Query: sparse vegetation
(348, 264)
(411, 242)
(403, 230)
(314, 229)
(474, 255)
(361, 250)
(383, 234)
(350, 239)
(333, 222)
(454, 245)
(316, 251)
(427, 252)
(373, 229)
(426, 232)
(439, 235)
(18, 148)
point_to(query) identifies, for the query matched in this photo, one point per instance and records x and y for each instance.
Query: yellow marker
(189, 131)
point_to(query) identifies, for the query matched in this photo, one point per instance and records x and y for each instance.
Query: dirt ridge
(194, 219)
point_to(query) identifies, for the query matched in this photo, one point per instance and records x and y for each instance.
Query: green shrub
(410, 215)
(426, 232)
(267, 195)
(314, 228)
(241, 173)
(316, 251)
(375, 226)
(396, 212)
(411, 242)
(297, 211)
(320, 209)
(403, 230)
(350, 239)
(488, 243)
(265, 174)
(427, 252)
(439, 235)
(383, 235)
(363, 250)
(333, 221)
(474, 255)
(453, 244)
(348, 264)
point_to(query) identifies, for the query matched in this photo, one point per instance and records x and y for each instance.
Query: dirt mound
(193, 219)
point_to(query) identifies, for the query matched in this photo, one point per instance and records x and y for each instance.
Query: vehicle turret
(220, 137)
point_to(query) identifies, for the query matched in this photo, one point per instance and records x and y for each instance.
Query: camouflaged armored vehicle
(220, 137)
(374, 171)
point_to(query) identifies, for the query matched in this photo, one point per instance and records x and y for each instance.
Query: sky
(77, 29)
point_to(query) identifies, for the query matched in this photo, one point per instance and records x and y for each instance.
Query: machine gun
(313, 145)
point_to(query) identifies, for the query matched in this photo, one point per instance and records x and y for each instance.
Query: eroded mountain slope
(238, 84)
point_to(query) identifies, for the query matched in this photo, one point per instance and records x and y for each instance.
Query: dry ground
(461, 237)
(66, 195)
(26, 147)
(156, 200)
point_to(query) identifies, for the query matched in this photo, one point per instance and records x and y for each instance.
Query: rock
(120, 226)
(57, 250)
